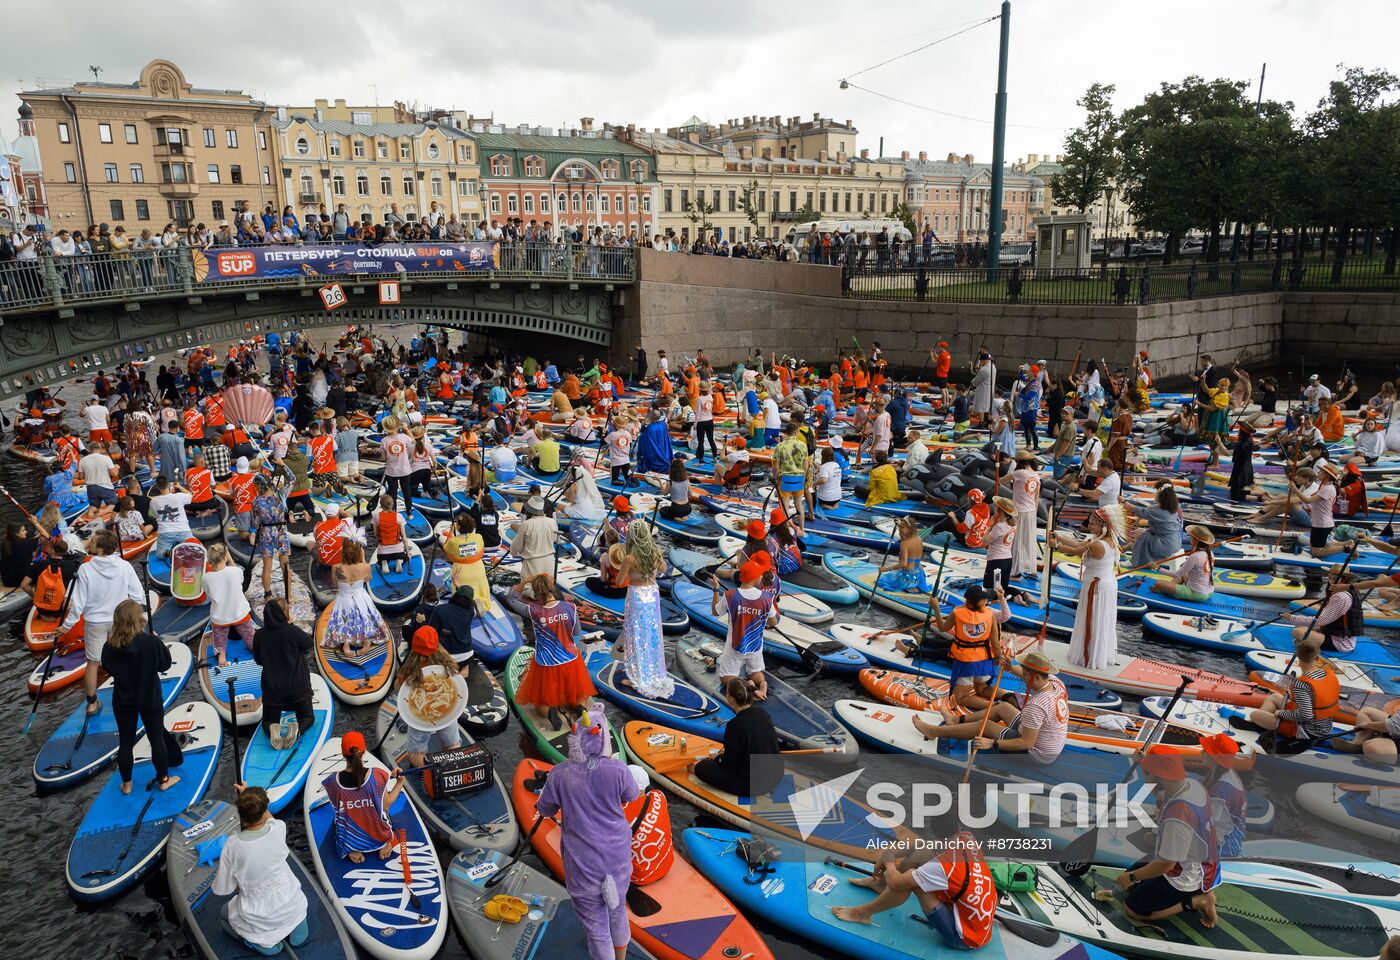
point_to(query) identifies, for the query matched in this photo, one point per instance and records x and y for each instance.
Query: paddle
(140, 818)
(44, 676)
(875, 585)
(237, 753)
(408, 874)
(1082, 849)
(932, 605)
(1176, 556)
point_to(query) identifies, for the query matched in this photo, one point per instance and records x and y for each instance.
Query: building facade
(583, 178)
(1108, 215)
(751, 180)
(954, 197)
(374, 167)
(150, 152)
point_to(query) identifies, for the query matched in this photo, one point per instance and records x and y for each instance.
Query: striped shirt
(1309, 726)
(1335, 610)
(1048, 712)
(999, 540)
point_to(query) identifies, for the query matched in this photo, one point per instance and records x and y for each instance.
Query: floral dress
(140, 435)
(270, 522)
(354, 619)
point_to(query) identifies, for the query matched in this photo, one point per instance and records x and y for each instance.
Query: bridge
(66, 317)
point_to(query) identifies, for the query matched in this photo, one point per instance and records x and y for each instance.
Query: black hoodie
(280, 648)
(453, 622)
(135, 670)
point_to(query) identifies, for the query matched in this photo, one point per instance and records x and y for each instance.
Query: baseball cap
(353, 740)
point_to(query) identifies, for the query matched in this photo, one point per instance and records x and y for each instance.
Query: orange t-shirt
(193, 422)
(322, 454)
(244, 493)
(214, 412)
(200, 480)
(329, 540)
(860, 379)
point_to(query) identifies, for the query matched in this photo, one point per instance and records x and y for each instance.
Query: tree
(699, 213)
(806, 214)
(748, 202)
(905, 215)
(1091, 151)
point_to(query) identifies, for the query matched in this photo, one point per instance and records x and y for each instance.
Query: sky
(550, 62)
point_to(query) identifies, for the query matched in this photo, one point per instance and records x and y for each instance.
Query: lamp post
(1107, 218)
(639, 177)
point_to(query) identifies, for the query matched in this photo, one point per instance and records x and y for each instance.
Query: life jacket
(322, 454)
(971, 892)
(67, 450)
(974, 529)
(390, 529)
(201, 484)
(214, 411)
(972, 635)
(244, 493)
(49, 589)
(1198, 817)
(330, 538)
(653, 847)
(1326, 697)
(1355, 498)
(193, 423)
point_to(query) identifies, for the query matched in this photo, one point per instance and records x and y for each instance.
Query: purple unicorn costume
(590, 789)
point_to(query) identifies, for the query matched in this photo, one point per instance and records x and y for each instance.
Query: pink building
(953, 197)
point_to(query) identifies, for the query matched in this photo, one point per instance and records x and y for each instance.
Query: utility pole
(1259, 100)
(999, 146)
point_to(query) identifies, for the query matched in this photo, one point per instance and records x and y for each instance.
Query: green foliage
(806, 214)
(905, 215)
(747, 201)
(1091, 151)
(699, 212)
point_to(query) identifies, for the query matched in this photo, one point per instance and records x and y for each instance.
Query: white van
(896, 228)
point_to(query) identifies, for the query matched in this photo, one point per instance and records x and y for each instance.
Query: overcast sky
(549, 62)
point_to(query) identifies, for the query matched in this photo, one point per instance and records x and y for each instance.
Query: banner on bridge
(248, 263)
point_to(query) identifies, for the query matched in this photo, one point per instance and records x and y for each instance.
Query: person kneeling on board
(1185, 867)
(1038, 728)
(976, 645)
(955, 891)
(1306, 713)
(280, 648)
(361, 798)
(750, 763)
(266, 905)
(750, 609)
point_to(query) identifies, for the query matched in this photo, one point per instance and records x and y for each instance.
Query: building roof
(942, 168)
(27, 149)
(348, 129)
(662, 143)
(573, 146)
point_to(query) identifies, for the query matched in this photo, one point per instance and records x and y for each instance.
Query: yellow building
(154, 151)
(375, 168)
(724, 185)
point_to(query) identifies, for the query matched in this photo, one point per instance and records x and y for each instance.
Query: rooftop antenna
(95, 72)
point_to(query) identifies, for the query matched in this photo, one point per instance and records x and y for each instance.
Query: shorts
(771, 435)
(98, 495)
(732, 663)
(243, 522)
(100, 436)
(94, 639)
(301, 501)
(1151, 896)
(1371, 461)
(942, 919)
(1183, 592)
(966, 674)
(792, 483)
(940, 382)
(1318, 536)
(428, 741)
(347, 468)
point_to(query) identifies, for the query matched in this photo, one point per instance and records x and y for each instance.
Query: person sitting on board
(884, 483)
(955, 891)
(906, 574)
(228, 604)
(266, 904)
(361, 798)
(1304, 478)
(425, 658)
(1229, 800)
(1341, 621)
(390, 537)
(1185, 866)
(1194, 578)
(1305, 713)
(751, 609)
(1108, 488)
(280, 648)
(976, 522)
(732, 468)
(976, 645)
(750, 747)
(1037, 728)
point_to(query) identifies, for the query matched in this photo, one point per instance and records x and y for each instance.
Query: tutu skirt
(566, 685)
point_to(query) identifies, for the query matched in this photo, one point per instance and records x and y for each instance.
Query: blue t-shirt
(274, 341)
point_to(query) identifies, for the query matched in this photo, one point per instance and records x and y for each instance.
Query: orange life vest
(971, 891)
(979, 520)
(322, 454)
(244, 493)
(214, 411)
(653, 848)
(1326, 695)
(201, 484)
(972, 635)
(193, 422)
(389, 528)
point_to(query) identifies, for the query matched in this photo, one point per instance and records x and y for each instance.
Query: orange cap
(621, 504)
(756, 529)
(1221, 748)
(354, 740)
(751, 572)
(425, 641)
(1164, 763)
(777, 516)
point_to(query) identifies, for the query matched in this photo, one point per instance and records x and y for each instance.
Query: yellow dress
(467, 553)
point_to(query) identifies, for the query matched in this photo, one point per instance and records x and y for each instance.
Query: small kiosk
(1062, 243)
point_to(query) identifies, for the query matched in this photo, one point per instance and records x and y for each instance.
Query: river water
(141, 924)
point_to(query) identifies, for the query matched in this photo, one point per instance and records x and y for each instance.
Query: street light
(639, 177)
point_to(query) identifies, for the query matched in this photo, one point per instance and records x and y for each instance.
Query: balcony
(178, 191)
(305, 197)
(165, 151)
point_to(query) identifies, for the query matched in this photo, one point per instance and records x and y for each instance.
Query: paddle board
(551, 740)
(242, 669)
(359, 679)
(282, 772)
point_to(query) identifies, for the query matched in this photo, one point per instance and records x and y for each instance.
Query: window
(534, 166)
(231, 138)
(872, 201)
(848, 201)
(666, 201)
(181, 211)
(561, 203)
(639, 167)
(338, 184)
(104, 132)
(362, 184)
(884, 202)
(175, 138)
(604, 206)
(432, 150)
(174, 173)
(646, 203)
(792, 200)
(366, 214)
(209, 140)
(821, 200)
(495, 203)
(405, 150)
(860, 203)
(143, 210)
(358, 148)
(137, 174)
(714, 200)
(116, 209)
(262, 140)
(130, 129)
(63, 134)
(267, 175)
(386, 184)
(589, 202)
(109, 172)
(632, 203)
(500, 166)
(733, 201)
(437, 186)
(529, 203)
(762, 205)
(381, 150)
(361, 117)
(512, 204)
(335, 146)
(303, 145)
(70, 172)
(544, 203)
(235, 173)
(308, 185)
(809, 199)
(408, 184)
(685, 201)
(217, 208)
(466, 188)
(577, 203)
(213, 173)
(776, 198)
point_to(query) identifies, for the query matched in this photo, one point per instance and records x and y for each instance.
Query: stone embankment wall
(683, 304)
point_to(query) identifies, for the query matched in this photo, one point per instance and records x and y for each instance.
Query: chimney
(840, 156)
(693, 137)
(821, 156)
(746, 153)
(768, 153)
(865, 154)
(904, 154)
(848, 122)
(923, 156)
(585, 123)
(631, 128)
(816, 118)
(1059, 158)
(967, 159)
(953, 158)
(1032, 158)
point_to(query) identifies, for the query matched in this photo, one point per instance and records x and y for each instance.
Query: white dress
(1094, 643)
(355, 619)
(269, 903)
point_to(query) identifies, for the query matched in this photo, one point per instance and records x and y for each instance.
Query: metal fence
(1115, 284)
(92, 278)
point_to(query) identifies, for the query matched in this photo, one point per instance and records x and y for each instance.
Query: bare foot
(223, 661)
(126, 787)
(387, 851)
(1204, 904)
(849, 914)
(168, 782)
(929, 731)
(356, 857)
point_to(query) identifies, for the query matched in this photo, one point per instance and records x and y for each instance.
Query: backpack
(653, 847)
(49, 589)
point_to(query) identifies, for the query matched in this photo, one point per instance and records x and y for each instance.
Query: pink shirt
(619, 448)
(880, 430)
(395, 449)
(1320, 510)
(425, 460)
(1025, 489)
(1048, 712)
(999, 540)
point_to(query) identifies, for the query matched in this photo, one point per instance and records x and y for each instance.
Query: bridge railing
(57, 281)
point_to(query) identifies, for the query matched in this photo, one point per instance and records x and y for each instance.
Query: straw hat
(325, 413)
(1026, 456)
(1039, 662)
(1005, 505)
(1331, 469)
(1200, 533)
